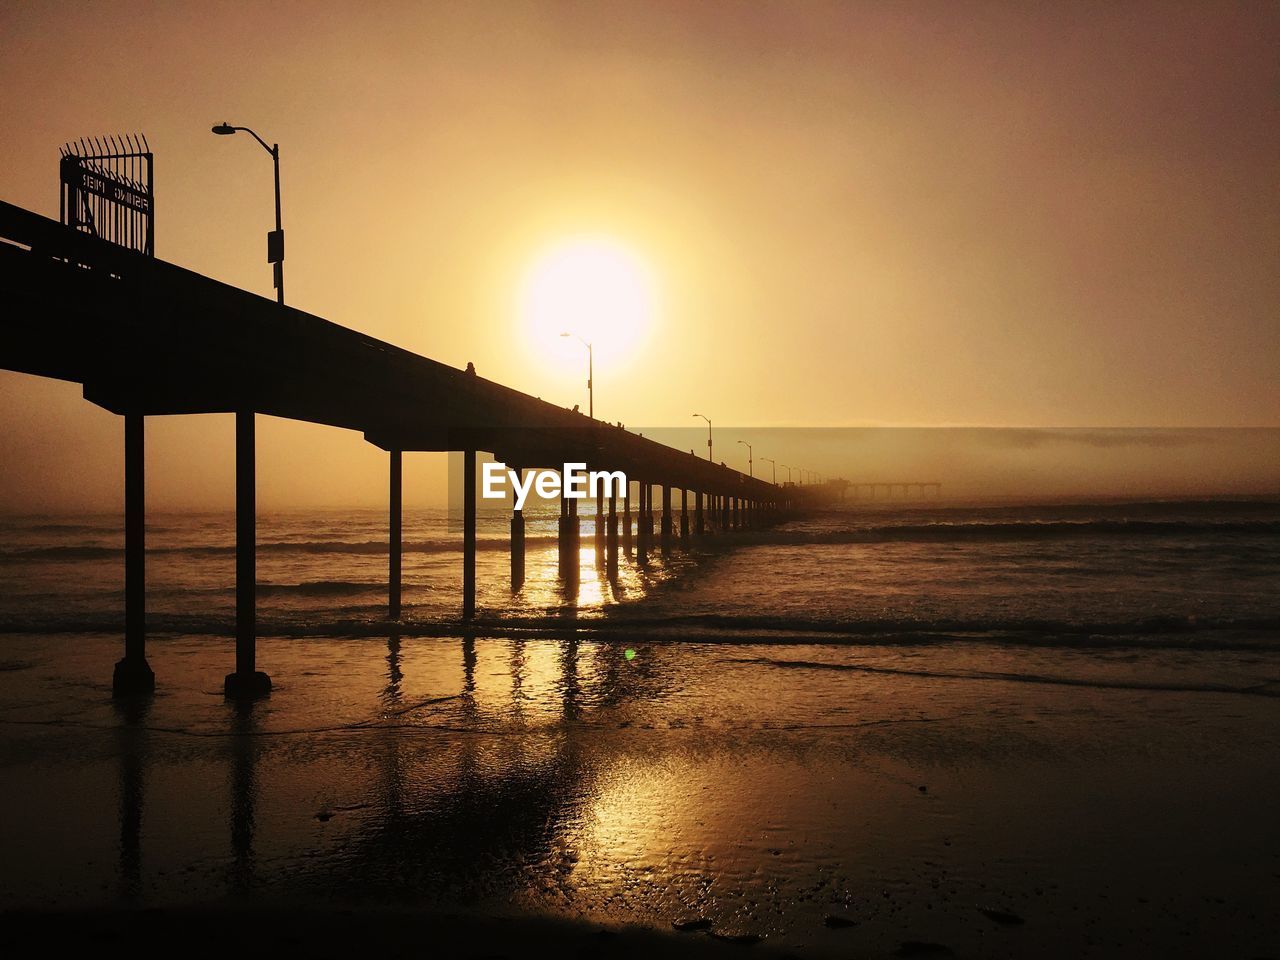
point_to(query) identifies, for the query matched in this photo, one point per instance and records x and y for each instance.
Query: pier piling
(597, 531)
(626, 517)
(133, 675)
(468, 534)
(568, 539)
(395, 547)
(248, 681)
(644, 529)
(611, 540)
(666, 518)
(517, 540)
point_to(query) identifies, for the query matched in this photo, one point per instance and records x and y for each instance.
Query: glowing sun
(592, 288)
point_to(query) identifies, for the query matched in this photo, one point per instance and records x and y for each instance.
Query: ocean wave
(1175, 633)
(357, 547)
(935, 532)
(1020, 530)
(955, 626)
(320, 588)
(1264, 689)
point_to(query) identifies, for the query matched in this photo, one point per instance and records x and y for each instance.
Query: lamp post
(708, 419)
(775, 468)
(591, 362)
(248, 681)
(275, 239)
(751, 465)
(788, 469)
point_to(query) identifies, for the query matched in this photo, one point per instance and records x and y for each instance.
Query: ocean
(1192, 573)
(998, 729)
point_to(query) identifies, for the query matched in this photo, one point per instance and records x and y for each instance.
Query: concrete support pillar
(644, 531)
(598, 526)
(737, 513)
(133, 675)
(248, 681)
(569, 535)
(611, 536)
(655, 521)
(724, 513)
(561, 526)
(684, 517)
(699, 523)
(395, 524)
(666, 518)
(626, 517)
(575, 540)
(648, 513)
(577, 521)
(517, 541)
(468, 534)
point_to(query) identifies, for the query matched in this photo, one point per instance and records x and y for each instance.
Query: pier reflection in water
(455, 794)
(600, 584)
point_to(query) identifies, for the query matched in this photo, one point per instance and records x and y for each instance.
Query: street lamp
(591, 361)
(751, 467)
(775, 468)
(708, 419)
(788, 469)
(275, 239)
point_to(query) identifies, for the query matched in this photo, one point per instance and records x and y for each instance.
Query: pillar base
(246, 686)
(132, 678)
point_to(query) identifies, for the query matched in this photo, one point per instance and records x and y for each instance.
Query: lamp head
(224, 129)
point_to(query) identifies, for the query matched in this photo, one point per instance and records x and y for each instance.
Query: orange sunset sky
(829, 213)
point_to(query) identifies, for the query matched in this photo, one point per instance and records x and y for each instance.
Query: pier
(922, 488)
(146, 338)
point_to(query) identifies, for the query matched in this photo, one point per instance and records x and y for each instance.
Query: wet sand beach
(522, 796)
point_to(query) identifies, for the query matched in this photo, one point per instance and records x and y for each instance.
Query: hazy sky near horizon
(849, 213)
